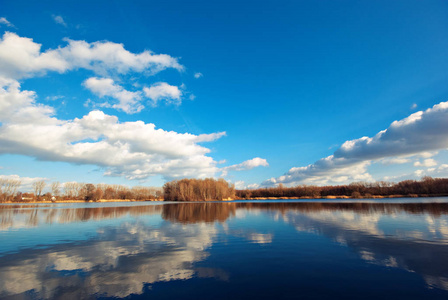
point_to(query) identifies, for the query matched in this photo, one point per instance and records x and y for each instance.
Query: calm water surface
(237, 250)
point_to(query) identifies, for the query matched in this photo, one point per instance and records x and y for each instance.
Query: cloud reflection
(118, 262)
(417, 240)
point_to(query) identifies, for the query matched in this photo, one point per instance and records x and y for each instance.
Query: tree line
(215, 189)
(198, 190)
(75, 191)
(95, 192)
(428, 186)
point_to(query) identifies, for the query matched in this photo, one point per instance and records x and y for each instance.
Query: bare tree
(38, 186)
(81, 190)
(2, 184)
(56, 188)
(198, 190)
(8, 188)
(70, 189)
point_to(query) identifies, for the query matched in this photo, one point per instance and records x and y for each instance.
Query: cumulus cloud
(163, 91)
(419, 173)
(241, 185)
(198, 75)
(5, 22)
(135, 150)
(395, 161)
(59, 20)
(128, 102)
(408, 158)
(439, 171)
(246, 165)
(426, 163)
(421, 132)
(21, 57)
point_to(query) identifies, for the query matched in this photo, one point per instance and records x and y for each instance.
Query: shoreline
(227, 200)
(78, 201)
(346, 197)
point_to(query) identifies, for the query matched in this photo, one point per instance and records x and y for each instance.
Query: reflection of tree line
(35, 215)
(211, 212)
(202, 212)
(198, 212)
(433, 209)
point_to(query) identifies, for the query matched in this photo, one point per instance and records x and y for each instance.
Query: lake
(314, 249)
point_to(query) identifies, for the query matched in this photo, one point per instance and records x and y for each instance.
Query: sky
(256, 92)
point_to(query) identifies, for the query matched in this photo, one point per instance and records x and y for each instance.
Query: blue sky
(290, 83)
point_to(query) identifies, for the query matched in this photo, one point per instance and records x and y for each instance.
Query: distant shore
(235, 199)
(347, 197)
(77, 201)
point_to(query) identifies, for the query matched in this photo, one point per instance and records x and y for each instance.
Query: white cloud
(395, 161)
(426, 163)
(408, 158)
(439, 171)
(54, 98)
(128, 102)
(15, 103)
(427, 154)
(198, 75)
(5, 22)
(21, 57)
(59, 20)
(443, 167)
(246, 165)
(103, 57)
(421, 132)
(135, 150)
(419, 173)
(241, 185)
(163, 91)
(414, 106)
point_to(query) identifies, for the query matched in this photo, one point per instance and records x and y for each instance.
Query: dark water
(236, 250)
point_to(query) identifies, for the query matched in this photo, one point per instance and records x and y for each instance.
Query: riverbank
(78, 201)
(346, 197)
(231, 199)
